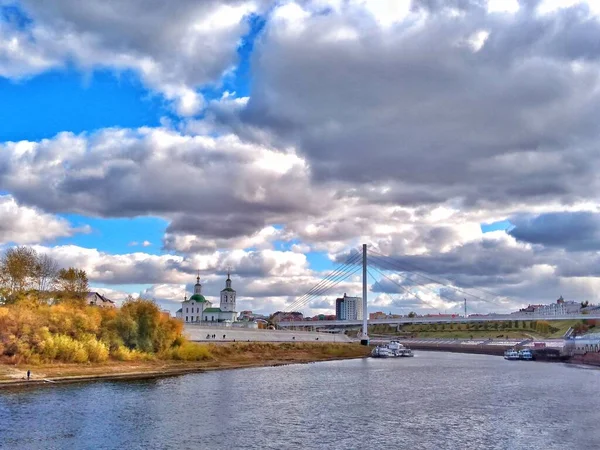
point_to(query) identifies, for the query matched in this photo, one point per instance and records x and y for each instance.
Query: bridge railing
(422, 320)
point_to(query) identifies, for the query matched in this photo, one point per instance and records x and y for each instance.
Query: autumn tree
(72, 283)
(17, 268)
(45, 271)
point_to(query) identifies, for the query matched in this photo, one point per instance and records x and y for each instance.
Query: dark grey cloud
(511, 122)
(573, 231)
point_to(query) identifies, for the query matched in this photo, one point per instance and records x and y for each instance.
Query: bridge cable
(325, 284)
(331, 276)
(321, 293)
(406, 290)
(399, 266)
(416, 270)
(382, 264)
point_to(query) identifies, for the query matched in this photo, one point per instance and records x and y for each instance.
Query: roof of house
(212, 310)
(97, 294)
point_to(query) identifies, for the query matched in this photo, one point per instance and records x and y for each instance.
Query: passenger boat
(511, 355)
(393, 349)
(381, 352)
(526, 355)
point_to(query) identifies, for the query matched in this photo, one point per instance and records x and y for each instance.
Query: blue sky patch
(56, 101)
(118, 235)
(495, 226)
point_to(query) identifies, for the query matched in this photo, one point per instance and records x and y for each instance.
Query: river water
(431, 401)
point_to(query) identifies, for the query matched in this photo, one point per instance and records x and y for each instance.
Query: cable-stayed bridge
(414, 281)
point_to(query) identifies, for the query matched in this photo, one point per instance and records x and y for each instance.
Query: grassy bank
(199, 357)
(507, 329)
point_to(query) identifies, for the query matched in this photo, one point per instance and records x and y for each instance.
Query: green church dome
(198, 298)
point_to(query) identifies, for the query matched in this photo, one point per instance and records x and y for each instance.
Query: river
(431, 401)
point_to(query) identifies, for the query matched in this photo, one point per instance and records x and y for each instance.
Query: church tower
(198, 286)
(228, 296)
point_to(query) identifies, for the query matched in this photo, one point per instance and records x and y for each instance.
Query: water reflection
(432, 401)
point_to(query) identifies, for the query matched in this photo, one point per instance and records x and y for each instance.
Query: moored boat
(526, 354)
(511, 355)
(381, 352)
(392, 349)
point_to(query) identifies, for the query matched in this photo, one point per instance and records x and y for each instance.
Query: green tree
(142, 326)
(412, 314)
(72, 283)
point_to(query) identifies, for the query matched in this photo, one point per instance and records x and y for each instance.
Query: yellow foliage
(32, 331)
(190, 351)
(124, 354)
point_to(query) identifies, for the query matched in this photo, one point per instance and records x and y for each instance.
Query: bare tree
(45, 271)
(18, 267)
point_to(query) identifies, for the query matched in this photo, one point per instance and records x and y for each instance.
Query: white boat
(392, 349)
(526, 355)
(511, 355)
(381, 352)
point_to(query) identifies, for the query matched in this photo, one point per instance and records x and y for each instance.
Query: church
(197, 309)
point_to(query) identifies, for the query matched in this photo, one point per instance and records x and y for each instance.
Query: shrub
(190, 351)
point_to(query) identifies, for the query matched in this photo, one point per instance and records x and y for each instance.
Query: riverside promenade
(199, 333)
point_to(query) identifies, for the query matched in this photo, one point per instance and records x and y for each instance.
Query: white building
(97, 299)
(560, 308)
(349, 308)
(197, 309)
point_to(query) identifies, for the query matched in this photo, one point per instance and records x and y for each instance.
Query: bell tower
(228, 295)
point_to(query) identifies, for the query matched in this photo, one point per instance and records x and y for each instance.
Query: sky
(144, 140)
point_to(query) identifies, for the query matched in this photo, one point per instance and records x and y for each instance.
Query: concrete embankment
(200, 333)
(541, 354)
(458, 348)
(589, 359)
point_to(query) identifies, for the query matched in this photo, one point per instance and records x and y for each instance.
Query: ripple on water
(432, 401)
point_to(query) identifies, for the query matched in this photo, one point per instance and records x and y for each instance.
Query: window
(212, 318)
(206, 318)
(197, 310)
(186, 318)
(186, 310)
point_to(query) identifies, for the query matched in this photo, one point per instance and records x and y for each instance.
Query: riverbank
(224, 356)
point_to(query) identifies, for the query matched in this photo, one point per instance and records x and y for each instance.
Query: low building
(349, 308)
(378, 315)
(559, 308)
(97, 299)
(283, 316)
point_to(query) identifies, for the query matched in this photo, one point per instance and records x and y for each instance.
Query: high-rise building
(348, 308)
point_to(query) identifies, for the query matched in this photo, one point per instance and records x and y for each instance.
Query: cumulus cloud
(212, 189)
(174, 47)
(26, 225)
(511, 119)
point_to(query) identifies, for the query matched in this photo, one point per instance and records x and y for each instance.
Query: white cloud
(175, 49)
(551, 6)
(26, 225)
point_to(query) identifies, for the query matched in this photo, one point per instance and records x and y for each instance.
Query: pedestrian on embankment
(28, 374)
